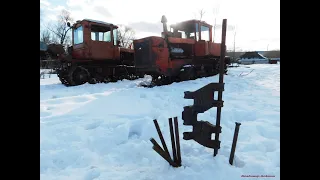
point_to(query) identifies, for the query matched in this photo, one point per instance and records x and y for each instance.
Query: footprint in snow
(92, 174)
(93, 125)
(238, 162)
(45, 114)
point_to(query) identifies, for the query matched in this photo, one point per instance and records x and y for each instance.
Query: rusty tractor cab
(95, 55)
(185, 51)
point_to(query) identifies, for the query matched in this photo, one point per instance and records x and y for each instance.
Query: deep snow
(102, 131)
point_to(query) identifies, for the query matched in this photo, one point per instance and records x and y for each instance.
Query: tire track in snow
(60, 106)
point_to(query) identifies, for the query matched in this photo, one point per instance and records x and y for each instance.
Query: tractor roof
(99, 22)
(186, 23)
(96, 21)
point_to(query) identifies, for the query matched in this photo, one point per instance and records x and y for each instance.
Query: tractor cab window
(205, 33)
(186, 35)
(197, 32)
(100, 33)
(78, 35)
(185, 31)
(115, 36)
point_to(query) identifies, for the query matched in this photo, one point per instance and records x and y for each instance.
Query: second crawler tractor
(186, 51)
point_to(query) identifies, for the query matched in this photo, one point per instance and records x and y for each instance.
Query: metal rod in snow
(162, 153)
(174, 150)
(234, 142)
(176, 132)
(222, 71)
(161, 138)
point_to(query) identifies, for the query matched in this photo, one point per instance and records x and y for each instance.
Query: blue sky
(256, 22)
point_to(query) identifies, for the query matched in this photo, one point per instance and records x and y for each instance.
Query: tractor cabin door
(116, 48)
(102, 44)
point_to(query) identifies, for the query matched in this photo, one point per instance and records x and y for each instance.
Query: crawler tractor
(184, 52)
(95, 55)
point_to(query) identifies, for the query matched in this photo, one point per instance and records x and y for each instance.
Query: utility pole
(234, 46)
(215, 14)
(214, 28)
(267, 47)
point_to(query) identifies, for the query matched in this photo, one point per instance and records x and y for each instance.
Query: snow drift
(102, 131)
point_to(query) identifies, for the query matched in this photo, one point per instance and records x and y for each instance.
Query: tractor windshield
(115, 36)
(185, 30)
(205, 33)
(78, 35)
(103, 34)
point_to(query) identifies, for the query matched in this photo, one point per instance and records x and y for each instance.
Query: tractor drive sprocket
(74, 76)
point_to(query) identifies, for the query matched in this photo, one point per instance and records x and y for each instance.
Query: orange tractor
(185, 52)
(95, 55)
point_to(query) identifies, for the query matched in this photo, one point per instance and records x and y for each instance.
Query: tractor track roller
(74, 76)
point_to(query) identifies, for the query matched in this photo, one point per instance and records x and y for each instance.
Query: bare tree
(215, 14)
(201, 13)
(41, 13)
(46, 37)
(126, 35)
(60, 29)
(41, 17)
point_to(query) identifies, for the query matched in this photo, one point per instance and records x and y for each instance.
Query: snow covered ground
(254, 61)
(102, 131)
(46, 73)
(45, 70)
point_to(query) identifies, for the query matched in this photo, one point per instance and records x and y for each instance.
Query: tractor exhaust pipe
(164, 22)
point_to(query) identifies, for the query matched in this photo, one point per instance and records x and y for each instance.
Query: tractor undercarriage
(73, 74)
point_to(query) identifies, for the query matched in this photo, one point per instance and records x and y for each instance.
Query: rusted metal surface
(175, 142)
(214, 48)
(174, 151)
(154, 55)
(203, 101)
(126, 50)
(221, 74)
(204, 97)
(163, 57)
(202, 131)
(94, 49)
(161, 138)
(162, 153)
(176, 130)
(234, 142)
(181, 41)
(202, 48)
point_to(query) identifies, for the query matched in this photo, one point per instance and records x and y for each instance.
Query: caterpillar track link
(166, 80)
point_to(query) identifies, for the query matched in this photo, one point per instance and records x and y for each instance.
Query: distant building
(271, 55)
(43, 46)
(235, 54)
(253, 58)
(274, 56)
